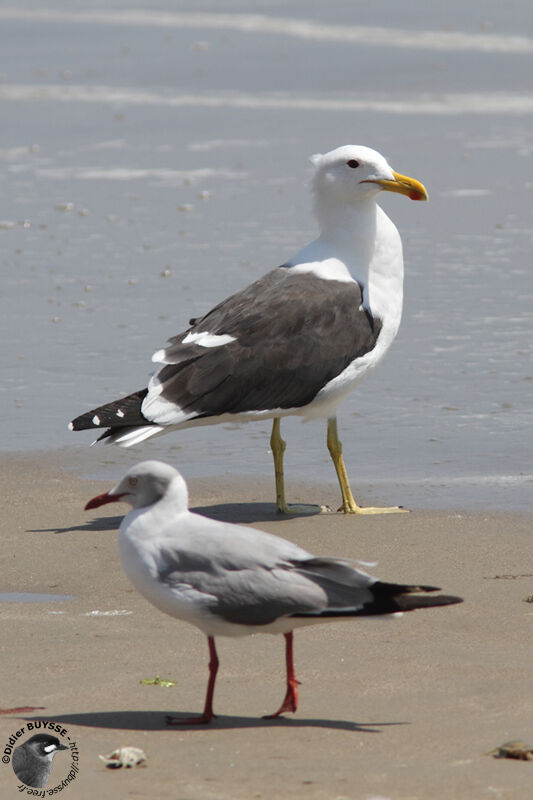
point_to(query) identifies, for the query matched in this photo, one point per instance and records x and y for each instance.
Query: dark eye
(352, 163)
(132, 481)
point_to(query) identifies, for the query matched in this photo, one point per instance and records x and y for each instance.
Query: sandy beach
(401, 709)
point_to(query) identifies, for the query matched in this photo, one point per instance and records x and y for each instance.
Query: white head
(146, 484)
(353, 174)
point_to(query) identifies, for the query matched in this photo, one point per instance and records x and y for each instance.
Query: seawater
(152, 165)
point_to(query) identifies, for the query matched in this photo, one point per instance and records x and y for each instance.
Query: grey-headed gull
(231, 580)
(295, 342)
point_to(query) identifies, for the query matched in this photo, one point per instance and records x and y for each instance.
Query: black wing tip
(384, 605)
(87, 422)
(125, 412)
(398, 597)
(411, 602)
(383, 587)
(82, 423)
(79, 424)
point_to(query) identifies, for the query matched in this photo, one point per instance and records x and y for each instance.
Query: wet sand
(400, 709)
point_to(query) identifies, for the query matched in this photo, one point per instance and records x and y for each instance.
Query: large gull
(294, 342)
(230, 580)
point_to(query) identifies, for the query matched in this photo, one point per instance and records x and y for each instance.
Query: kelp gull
(294, 342)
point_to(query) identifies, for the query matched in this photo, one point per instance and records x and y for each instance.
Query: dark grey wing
(291, 334)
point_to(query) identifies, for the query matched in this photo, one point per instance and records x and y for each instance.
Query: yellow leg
(349, 506)
(277, 445)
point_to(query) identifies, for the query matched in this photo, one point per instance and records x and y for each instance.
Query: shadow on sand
(243, 513)
(156, 721)
(100, 524)
(240, 513)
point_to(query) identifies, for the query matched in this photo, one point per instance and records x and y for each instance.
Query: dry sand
(401, 709)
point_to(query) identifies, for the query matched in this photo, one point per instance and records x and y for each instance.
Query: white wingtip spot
(96, 420)
(206, 339)
(159, 356)
(70, 426)
(120, 413)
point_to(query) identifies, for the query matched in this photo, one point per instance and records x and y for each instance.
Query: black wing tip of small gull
(405, 597)
(411, 603)
(391, 598)
(384, 587)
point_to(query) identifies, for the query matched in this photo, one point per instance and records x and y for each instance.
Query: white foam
(466, 193)
(132, 174)
(114, 613)
(497, 103)
(366, 35)
(212, 144)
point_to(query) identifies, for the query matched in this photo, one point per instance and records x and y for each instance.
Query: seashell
(514, 749)
(124, 757)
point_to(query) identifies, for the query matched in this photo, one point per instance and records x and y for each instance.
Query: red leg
(207, 714)
(290, 701)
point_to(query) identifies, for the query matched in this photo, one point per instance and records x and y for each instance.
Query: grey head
(145, 484)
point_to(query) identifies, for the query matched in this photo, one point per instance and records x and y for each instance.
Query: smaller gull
(232, 580)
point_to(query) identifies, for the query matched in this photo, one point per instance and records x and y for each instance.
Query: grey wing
(252, 578)
(245, 576)
(250, 595)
